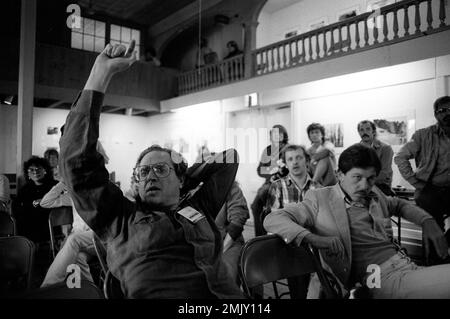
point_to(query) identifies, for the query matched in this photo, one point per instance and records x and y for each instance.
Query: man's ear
(340, 176)
(182, 179)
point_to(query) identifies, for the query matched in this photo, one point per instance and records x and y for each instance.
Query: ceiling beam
(56, 104)
(137, 112)
(113, 109)
(180, 17)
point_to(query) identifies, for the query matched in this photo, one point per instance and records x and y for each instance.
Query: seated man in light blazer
(350, 224)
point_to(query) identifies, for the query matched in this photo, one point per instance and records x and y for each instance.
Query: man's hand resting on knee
(432, 235)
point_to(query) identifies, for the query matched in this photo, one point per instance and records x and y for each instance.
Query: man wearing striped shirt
(291, 189)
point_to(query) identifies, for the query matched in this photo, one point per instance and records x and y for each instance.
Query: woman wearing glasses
(31, 218)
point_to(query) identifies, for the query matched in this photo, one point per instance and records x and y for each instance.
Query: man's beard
(445, 122)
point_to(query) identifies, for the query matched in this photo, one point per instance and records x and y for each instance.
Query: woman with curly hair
(31, 218)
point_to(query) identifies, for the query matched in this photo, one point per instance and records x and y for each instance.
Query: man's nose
(152, 176)
(364, 184)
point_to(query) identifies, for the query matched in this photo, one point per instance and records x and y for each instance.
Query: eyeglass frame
(442, 110)
(35, 169)
(137, 173)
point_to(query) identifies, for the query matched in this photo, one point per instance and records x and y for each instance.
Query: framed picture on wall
(334, 133)
(395, 130)
(348, 13)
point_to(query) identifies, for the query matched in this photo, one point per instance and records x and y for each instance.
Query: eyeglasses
(161, 170)
(35, 169)
(443, 110)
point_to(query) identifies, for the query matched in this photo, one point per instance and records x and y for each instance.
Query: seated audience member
(52, 156)
(368, 132)
(77, 248)
(267, 167)
(32, 219)
(4, 194)
(323, 160)
(350, 224)
(430, 147)
(166, 244)
(230, 221)
(292, 189)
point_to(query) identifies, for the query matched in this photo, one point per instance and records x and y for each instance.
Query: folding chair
(111, 287)
(7, 225)
(58, 217)
(16, 264)
(100, 251)
(268, 258)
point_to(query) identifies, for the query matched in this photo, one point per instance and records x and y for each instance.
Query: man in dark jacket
(166, 244)
(430, 147)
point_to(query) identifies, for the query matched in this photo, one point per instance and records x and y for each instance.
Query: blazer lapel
(339, 213)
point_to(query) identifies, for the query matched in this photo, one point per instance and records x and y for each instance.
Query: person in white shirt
(4, 194)
(78, 247)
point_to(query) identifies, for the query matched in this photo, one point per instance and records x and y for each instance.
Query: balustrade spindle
(266, 67)
(417, 17)
(357, 39)
(284, 55)
(442, 13)
(332, 42)
(195, 80)
(317, 46)
(340, 39)
(310, 51)
(278, 59)
(297, 57)
(375, 32)
(303, 50)
(272, 50)
(366, 33)
(290, 53)
(385, 27)
(406, 20)
(429, 16)
(324, 43)
(348, 37)
(395, 24)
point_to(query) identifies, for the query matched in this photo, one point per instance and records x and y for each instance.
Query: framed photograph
(52, 130)
(348, 13)
(290, 34)
(334, 133)
(395, 130)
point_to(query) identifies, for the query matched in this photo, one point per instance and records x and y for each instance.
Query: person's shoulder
(426, 130)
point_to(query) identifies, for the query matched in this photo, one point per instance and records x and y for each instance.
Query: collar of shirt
(349, 202)
(441, 132)
(305, 186)
(375, 144)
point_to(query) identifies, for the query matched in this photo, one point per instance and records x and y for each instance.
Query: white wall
(122, 137)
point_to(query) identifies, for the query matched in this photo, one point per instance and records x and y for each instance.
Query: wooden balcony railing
(229, 70)
(394, 23)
